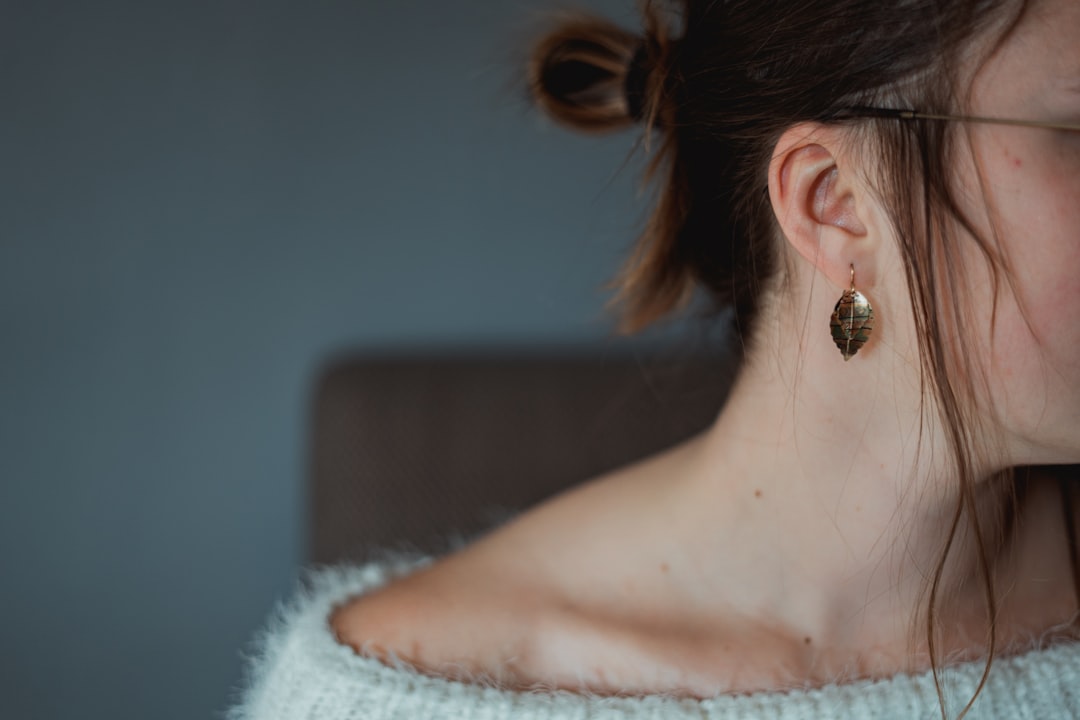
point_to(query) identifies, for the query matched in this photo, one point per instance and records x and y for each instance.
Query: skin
(1035, 192)
(788, 544)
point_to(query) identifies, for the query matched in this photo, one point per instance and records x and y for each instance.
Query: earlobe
(814, 199)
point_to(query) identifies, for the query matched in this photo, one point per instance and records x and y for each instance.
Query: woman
(887, 196)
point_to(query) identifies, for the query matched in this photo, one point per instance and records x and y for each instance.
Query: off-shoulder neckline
(324, 587)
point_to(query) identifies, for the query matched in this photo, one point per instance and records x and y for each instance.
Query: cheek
(1036, 345)
(1038, 216)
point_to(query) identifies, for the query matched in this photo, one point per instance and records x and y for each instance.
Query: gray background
(200, 204)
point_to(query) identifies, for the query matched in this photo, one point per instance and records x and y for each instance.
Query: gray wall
(200, 202)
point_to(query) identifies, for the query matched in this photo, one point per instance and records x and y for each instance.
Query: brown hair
(717, 83)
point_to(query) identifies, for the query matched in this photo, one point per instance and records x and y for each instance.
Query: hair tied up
(588, 73)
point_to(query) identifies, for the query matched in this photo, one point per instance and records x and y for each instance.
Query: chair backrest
(409, 453)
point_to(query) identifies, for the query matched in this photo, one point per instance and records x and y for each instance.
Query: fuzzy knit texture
(295, 669)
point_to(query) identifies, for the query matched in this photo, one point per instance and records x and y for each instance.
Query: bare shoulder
(484, 612)
(472, 621)
(459, 617)
(532, 602)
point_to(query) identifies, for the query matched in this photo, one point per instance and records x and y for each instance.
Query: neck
(839, 492)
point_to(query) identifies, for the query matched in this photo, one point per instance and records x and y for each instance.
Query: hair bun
(590, 74)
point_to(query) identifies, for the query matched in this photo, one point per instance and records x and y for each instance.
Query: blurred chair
(411, 453)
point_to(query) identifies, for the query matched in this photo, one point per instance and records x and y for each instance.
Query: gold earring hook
(853, 277)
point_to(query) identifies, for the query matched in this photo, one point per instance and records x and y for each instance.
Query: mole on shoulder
(757, 493)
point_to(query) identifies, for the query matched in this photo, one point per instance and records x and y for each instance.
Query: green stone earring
(852, 321)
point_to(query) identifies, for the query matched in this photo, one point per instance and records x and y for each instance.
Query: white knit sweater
(298, 671)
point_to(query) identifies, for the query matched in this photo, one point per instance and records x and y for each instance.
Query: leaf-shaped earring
(852, 321)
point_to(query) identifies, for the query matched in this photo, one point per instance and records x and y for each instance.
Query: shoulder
(480, 624)
(517, 607)
(545, 599)
(457, 618)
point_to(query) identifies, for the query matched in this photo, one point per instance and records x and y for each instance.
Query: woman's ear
(819, 203)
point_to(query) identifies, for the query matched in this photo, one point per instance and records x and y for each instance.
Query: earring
(852, 321)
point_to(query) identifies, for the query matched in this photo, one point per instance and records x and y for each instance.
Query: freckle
(806, 640)
(757, 493)
(664, 567)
